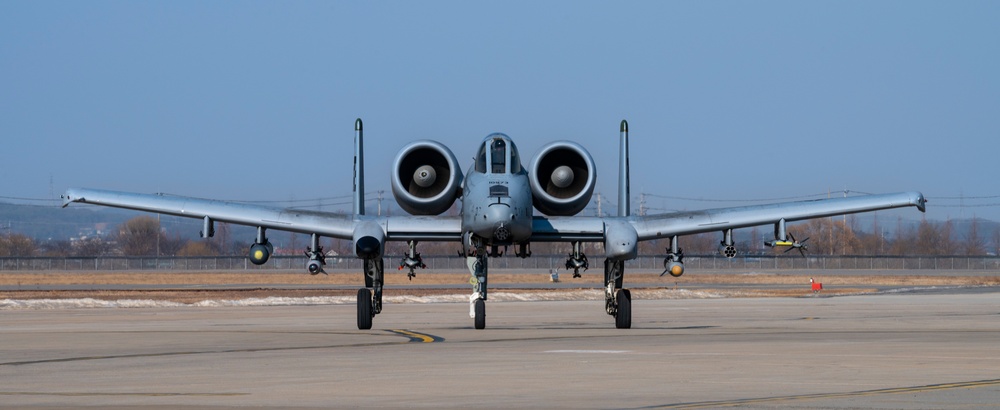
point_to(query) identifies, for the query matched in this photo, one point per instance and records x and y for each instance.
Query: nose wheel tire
(480, 314)
(623, 316)
(365, 309)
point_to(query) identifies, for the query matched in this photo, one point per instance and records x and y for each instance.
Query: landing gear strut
(617, 301)
(370, 296)
(479, 267)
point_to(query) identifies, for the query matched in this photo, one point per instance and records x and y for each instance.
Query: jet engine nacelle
(426, 178)
(562, 178)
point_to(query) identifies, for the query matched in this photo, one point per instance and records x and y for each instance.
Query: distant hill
(45, 223)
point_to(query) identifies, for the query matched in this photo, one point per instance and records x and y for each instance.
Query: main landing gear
(617, 301)
(370, 296)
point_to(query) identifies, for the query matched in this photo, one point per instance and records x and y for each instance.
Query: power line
(966, 197)
(29, 199)
(967, 206)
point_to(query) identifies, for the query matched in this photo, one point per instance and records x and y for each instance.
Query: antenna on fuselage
(359, 169)
(623, 175)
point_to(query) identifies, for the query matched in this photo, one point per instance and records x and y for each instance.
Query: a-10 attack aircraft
(499, 197)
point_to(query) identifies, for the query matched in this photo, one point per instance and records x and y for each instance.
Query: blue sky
(725, 100)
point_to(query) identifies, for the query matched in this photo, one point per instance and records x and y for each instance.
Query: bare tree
(996, 241)
(947, 245)
(57, 249)
(197, 248)
(934, 240)
(139, 236)
(223, 233)
(170, 245)
(828, 237)
(874, 244)
(904, 242)
(293, 244)
(17, 245)
(702, 243)
(91, 247)
(974, 245)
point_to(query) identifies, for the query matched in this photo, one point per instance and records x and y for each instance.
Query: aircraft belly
(620, 240)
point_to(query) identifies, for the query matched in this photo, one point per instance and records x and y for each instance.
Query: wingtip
(68, 198)
(357, 124)
(624, 126)
(921, 202)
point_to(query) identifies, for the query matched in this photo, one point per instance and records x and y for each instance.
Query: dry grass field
(190, 287)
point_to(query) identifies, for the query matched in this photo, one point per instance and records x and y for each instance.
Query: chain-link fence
(534, 263)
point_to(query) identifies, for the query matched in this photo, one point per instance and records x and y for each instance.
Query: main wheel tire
(623, 319)
(364, 309)
(480, 314)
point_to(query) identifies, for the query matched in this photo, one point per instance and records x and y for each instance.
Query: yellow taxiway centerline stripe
(416, 337)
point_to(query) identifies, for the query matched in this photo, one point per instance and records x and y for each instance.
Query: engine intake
(562, 178)
(426, 178)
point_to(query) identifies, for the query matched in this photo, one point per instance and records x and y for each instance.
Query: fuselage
(496, 196)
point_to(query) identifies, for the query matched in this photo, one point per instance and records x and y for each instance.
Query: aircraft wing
(293, 220)
(594, 229)
(710, 220)
(328, 224)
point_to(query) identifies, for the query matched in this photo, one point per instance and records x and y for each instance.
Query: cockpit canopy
(498, 155)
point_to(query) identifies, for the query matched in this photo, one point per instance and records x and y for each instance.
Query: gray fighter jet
(499, 198)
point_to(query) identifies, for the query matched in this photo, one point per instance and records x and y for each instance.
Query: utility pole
(829, 194)
(380, 192)
(843, 249)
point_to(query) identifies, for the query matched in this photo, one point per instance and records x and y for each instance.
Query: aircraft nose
(501, 216)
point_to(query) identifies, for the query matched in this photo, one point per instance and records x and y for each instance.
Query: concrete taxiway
(913, 351)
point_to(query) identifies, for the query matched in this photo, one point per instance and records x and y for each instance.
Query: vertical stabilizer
(623, 176)
(359, 169)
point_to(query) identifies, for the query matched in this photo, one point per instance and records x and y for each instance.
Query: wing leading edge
(711, 220)
(292, 220)
(592, 229)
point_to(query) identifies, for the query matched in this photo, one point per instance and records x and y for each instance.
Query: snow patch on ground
(499, 296)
